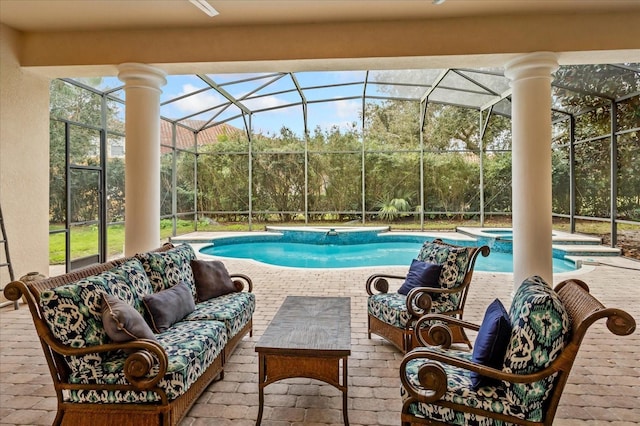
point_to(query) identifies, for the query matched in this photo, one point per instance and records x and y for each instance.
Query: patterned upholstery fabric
(460, 391)
(234, 309)
(191, 347)
(392, 308)
(135, 287)
(73, 314)
(540, 330)
(73, 311)
(168, 268)
(454, 261)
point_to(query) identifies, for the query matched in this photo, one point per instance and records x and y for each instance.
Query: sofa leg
(58, 420)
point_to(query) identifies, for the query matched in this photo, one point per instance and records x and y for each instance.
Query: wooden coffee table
(308, 337)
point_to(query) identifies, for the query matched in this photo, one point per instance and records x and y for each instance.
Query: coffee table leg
(261, 377)
(345, 414)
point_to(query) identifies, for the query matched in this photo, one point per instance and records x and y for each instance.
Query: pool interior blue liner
(333, 248)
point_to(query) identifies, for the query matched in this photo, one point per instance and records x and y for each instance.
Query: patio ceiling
(92, 15)
(576, 88)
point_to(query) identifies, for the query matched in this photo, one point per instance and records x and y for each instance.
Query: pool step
(586, 250)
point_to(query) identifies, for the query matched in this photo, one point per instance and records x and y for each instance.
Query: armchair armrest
(440, 333)
(432, 377)
(242, 281)
(419, 299)
(380, 283)
(143, 355)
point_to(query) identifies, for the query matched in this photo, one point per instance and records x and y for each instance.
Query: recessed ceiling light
(438, 1)
(204, 6)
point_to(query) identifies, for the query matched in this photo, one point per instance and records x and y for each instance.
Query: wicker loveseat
(143, 381)
(519, 384)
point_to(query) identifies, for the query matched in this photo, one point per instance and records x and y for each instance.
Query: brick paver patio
(604, 388)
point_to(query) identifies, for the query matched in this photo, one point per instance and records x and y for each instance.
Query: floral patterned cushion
(459, 391)
(168, 268)
(392, 308)
(191, 346)
(454, 261)
(234, 309)
(73, 311)
(540, 330)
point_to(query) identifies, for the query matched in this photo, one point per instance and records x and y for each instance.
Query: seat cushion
(460, 391)
(191, 346)
(540, 330)
(234, 310)
(392, 308)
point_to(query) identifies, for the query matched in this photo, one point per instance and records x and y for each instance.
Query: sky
(276, 102)
(194, 95)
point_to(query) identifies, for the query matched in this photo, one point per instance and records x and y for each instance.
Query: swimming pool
(325, 250)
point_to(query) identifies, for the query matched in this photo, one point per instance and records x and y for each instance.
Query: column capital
(532, 65)
(141, 75)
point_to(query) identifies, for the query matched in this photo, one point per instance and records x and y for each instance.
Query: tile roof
(184, 137)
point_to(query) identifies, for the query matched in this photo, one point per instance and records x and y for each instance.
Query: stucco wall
(24, 160)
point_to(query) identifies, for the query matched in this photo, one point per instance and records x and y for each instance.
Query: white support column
(531, 150)
(142, 160)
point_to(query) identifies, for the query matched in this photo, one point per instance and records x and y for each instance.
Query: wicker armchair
(392, 315)
(437, 385)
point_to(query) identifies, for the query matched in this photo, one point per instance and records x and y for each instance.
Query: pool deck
(603, 389)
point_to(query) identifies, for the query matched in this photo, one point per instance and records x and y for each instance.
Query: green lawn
(84, 238)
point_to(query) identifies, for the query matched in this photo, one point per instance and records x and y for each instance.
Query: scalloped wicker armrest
(449, 320)
(242, 281)
(420, 298)
(379, 282)
(440, 333)
(144, 354)
(433, 378)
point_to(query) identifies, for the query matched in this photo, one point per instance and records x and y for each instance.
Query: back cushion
(73, 311)
(133, 284)
(454, 261)
(540, 330)
(169, 268)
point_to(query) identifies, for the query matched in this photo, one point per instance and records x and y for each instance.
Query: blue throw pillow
(421, 274)
(491, 342)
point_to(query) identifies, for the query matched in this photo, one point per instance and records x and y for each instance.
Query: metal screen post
(572, 173)
(614, 173)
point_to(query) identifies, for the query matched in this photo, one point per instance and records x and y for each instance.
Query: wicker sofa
(152, 380)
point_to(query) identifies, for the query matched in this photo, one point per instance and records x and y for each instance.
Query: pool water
(301, 255)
